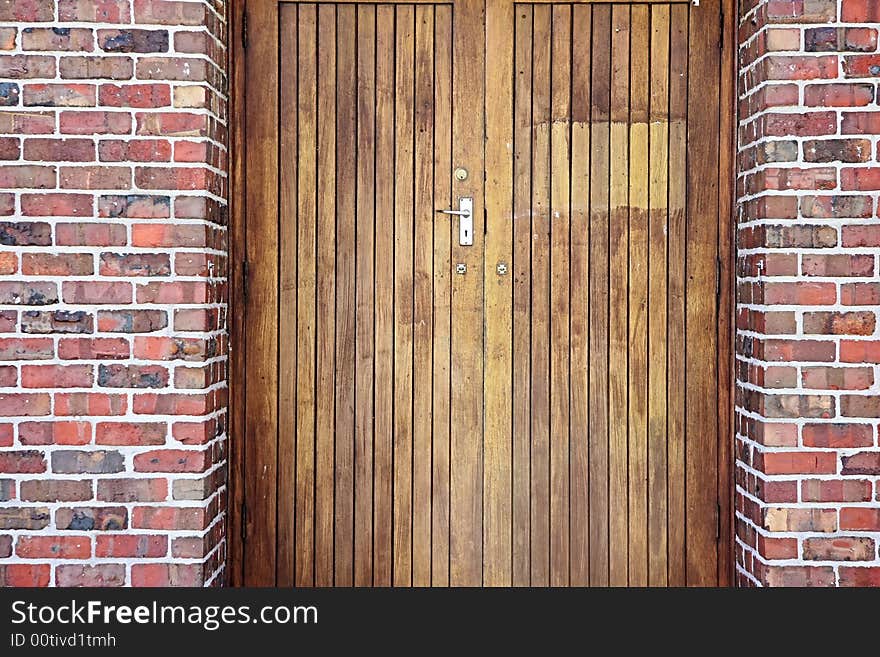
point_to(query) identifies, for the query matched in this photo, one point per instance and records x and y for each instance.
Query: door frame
(237, 273)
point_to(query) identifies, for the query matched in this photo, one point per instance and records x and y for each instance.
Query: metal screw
(501, 268)
(460, 268)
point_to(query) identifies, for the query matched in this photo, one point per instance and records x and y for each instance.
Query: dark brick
(91, 518)
(57, 321)
(132, 376)
(25, 517)
(35, 233)
(93, 462)
(57, 490)
(133, 40)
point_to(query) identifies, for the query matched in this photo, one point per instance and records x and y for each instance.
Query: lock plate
(466, 221)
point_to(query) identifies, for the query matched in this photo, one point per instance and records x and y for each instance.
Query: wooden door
(546, 406)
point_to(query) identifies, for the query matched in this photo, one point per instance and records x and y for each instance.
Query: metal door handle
(465, 213)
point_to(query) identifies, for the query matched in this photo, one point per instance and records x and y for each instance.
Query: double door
(485, 336)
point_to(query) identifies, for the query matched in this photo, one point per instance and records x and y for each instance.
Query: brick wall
(112, 243)
(808, 346)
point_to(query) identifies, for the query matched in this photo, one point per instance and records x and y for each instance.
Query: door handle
(465, 214)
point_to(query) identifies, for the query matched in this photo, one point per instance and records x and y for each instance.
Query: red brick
(89, 403)
(93, 348)
(65, 264)
(124, 433)
(860, 518)
(57, 376)
(164, 574)
(131, 545)
(838, 435)
(25, 575)
(57, 205)
(53, 547)
(96, 292)
(135, 95)
(171, 460)
(94, 122)
(55, 433)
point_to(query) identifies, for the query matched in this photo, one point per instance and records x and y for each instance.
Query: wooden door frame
(236, 61)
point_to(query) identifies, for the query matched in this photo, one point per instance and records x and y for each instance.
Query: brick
(133, 40)
(24, 517)
(64, 264)
(101, 575)
(169, 12)
(96, 11)
(132, 376)
(57, 38)
(800, 576)
(5, 546)
(59, 95)
(90, 234)
(26, 348)
(27, 123)
(135, 264)
(100, 67)
(132, 490)
(142, 150)
(94, 177)
(56, 205)
(25, 575)
(91, 519)
(87, 122)
(56, 321)
(176, 124)
(861, 463)
(859, 406)
(131, 545)
(837, 378)
(860, 518)
(782, 519)
(9, 94)
(837, 207)
(85, 403)
(124, 433)
(57, 376)
(860, 11)
(838, 435)
(132, 321)
(171, 460)
(837, 265)
(135, 95)
(93, 348)
(169, 518)
(27, 176)
(134, 206)
(27, 66)
(165, 574)
(54, 547)
(836, 490)
(36, 233)
(837, 150)
(834, 323)
(55, 433)
(24, 404)
(96, 292)
(27, 11)
(802, 462)
(87, 462)
(859, 576)
(163, 348)
(171, 68)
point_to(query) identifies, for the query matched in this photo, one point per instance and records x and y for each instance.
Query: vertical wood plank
(638, 299)
(306, 333)
(522, 300)
(467, 297)
(326, 299)
(657, 297)
(618, 285)
(365, 285)
(287, 338)
(442, 296)
(384, 299)
(600, 165)
(347, 158)
(262, 309)
(540, 342)
(580, 299)
(423, 268)
(403, 295)
(497, 455)
(701, 314)
(676, 281)
(559, 275)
